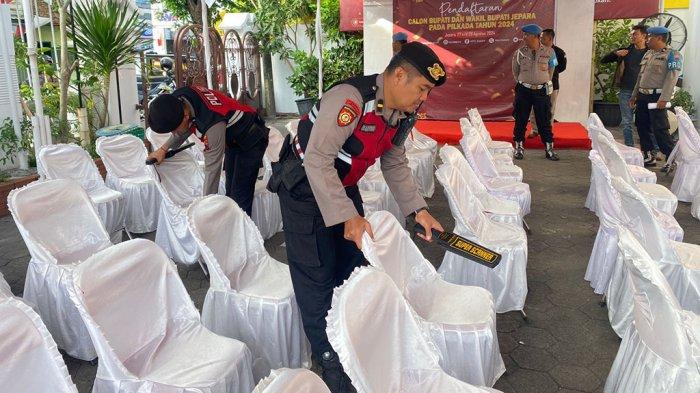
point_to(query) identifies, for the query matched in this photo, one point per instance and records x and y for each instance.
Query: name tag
(369, 128)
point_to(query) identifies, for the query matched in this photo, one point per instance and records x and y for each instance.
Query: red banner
(351, 15)
(625, 9)
(476, 42)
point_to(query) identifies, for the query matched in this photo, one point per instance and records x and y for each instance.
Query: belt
(650, 91)
(534, 87)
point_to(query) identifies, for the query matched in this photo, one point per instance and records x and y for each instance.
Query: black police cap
(165, 113)
(425, 61)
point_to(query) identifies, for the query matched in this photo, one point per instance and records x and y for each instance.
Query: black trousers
(242, 168)
(319, 258)
(652, 123)
(538, 101)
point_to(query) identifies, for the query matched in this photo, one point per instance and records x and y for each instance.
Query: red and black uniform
(230, 131)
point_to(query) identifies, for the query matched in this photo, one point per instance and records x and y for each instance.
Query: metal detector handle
(418, 228)
(170, 153)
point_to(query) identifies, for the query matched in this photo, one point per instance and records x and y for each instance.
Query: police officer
(660, 68)
(533, 68)
(398, 41)
(228, 129)
(354, 124)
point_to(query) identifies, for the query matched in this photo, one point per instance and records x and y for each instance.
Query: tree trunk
(195, 7)
(64, 80)
(268, 86)
(104, 116)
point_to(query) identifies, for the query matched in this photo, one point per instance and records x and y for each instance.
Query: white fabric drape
(461, 319)
(373, 181)
(496, 208)
(507, 282)
(29, 359)
(69, 161)
(266, 213)
(147, 332)
(286, 380)
(38, 210)
(250, 296)
(421, 151)
(495, 147)
(686, 179)
(5, 290)
(498, 166)
(124, 157)
(660, 349)
(380, 341)
(631, 154)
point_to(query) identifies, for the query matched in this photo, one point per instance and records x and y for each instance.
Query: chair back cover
(369, 301)
(476, 152)
(58, 221)
(478, 123)
(657, 313)
(613, 159)
(69, 161)
(179, 179)
(640, 219)
(688, 137)
(464, 205)
(5, 290)
(230, 242)
(29, 358)
(124, 156)
(131, 299)
(609, 207)
(285, 380)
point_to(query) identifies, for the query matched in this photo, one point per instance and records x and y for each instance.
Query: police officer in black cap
(355, 123)
(228, 129)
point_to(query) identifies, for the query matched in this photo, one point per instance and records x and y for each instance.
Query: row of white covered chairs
(610, 215)
(660, 344)
(501, 231)
(398, 356)
(679, 262)
(495, 147)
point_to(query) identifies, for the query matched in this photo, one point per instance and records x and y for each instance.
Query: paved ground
(567, 345)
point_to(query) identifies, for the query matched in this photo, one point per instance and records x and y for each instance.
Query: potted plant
(304, 80)
(609, 35)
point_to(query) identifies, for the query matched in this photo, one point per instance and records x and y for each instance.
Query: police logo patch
(436, 71)
(369, 128)
(346, 116)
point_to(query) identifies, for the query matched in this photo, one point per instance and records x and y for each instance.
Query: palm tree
(107, 32)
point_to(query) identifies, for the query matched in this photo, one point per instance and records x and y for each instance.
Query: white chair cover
(508, 281)
(179, 181)
(5, 289)
(421, 151)
(487, 164)
(658, 195)
(60, 227)
(146, 329)
(660, 350)
(501, 187)
(605, 249)
(266, 212)
(496, 208)
(695, 208)
(461, 319)
(631, 154)
(292, 126)
(686, 179)
(374, 181)
(380, 341)
(286, 380)
(250, 296)
(124, 157)
(69, 161)
(495, 147)
(679, 262)
(29, 359)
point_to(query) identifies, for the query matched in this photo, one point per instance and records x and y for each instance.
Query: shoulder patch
(674, 61)
(348, 113)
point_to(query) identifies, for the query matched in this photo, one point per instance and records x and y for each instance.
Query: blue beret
(400, 36)
(532, 29)
(658, 30)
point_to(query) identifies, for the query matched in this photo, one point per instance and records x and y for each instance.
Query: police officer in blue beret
(533, 67)
(398, 40)
(660, 68)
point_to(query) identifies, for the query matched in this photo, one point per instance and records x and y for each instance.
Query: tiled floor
(567, 344)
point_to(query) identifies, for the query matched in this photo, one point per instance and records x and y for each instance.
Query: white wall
(378, 29)
(691, 68)
(129, 96)
(574, 34)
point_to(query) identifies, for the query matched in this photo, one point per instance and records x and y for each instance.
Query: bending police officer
(355, 123)
(228, 129)
(533, 67)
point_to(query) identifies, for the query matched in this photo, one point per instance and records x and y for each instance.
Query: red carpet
(566, 135)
